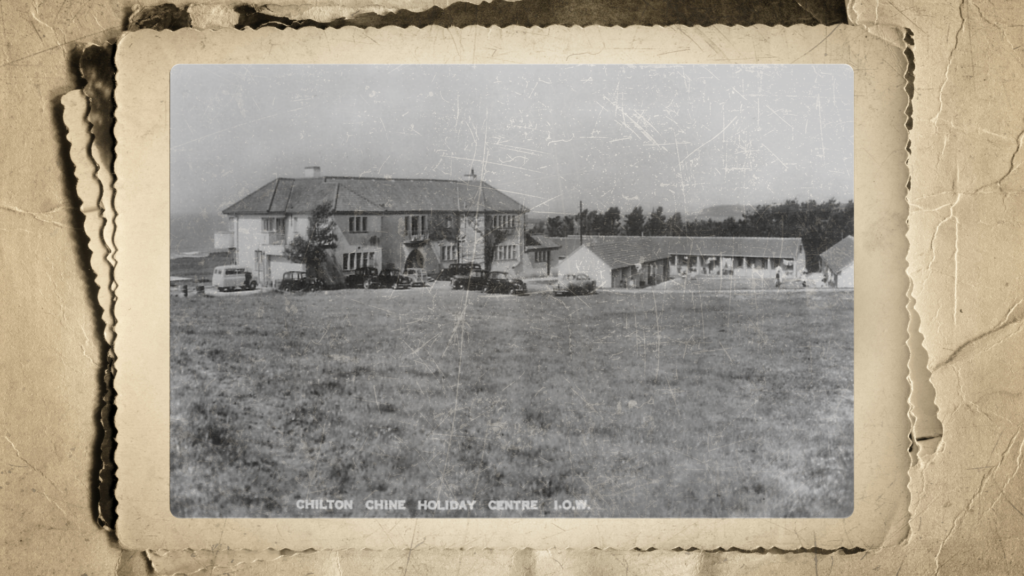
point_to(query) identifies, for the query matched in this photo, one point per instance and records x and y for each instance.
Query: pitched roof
(839, 256)
(619, 251)
(627, 250)
(352, 194)
(541, 242)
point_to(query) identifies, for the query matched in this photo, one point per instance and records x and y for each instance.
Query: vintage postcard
(511, 288)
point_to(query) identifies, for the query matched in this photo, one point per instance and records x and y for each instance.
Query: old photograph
(511, 291)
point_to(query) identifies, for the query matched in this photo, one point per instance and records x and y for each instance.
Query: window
(541, 255)
(506, 252)
(273, 225)
(503, 221)
(355, 260)
(449, 253)
(357, 224)
(415, 225)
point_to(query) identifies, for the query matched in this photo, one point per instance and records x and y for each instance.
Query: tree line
(819, 224)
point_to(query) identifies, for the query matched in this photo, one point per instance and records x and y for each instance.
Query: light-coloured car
(417, 276)
(227, 278)
(575, 284)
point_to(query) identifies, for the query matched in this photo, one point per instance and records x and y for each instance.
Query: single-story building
(538, 249)
(619, 262)
(740, 256)
(837, 264)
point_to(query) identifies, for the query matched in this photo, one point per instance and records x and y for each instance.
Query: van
(233, 278)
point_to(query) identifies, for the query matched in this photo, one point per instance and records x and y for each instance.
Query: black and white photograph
(511, 291)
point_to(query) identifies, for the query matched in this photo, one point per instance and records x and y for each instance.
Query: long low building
(633, 260)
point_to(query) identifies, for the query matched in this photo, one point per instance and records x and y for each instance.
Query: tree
(443, 226)
(611, 224)
(675, 225)
(554, 227)
(569, 225)
(493, 238)
(635, 222)
(655, 225)
(321, 236)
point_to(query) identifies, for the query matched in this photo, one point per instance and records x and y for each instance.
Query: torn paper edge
(923, 412)
(90, 191)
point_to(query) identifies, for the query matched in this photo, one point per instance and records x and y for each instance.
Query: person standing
(803, 277)
(778, 276)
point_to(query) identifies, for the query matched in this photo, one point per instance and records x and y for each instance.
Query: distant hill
(194, 232)
(720, 212)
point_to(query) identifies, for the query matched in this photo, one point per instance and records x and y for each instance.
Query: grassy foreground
(645, 404)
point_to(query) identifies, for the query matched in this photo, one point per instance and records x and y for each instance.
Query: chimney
(312, 171)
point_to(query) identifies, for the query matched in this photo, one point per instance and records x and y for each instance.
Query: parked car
(575, 284)
(502, 283)
(417, 277)
(461, 269)
(230, 278)
(365, 277)
(393, 279)
(298, 282)
(474, 280)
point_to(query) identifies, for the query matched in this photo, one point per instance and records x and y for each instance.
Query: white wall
(845, 278)
(250, 235)
(586, 262)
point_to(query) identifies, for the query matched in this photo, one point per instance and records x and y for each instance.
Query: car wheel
(366, 284)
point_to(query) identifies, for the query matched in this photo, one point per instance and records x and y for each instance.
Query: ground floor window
(449, 253)
(355, 260)
(506, 252)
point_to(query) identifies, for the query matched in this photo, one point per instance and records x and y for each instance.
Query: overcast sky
(681, 137)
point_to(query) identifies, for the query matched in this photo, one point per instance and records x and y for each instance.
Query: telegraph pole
(581, 222)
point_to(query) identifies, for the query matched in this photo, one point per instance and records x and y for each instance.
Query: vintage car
(227, 278)
(453, 270)
(474, 280)
(569, 284)
(502, 283)
(298, 282)
(393, 279)
(417, 277)
(365, 277)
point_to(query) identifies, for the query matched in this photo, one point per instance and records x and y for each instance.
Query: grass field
(645, 404)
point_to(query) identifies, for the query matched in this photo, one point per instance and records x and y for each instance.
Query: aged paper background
(144, 60)
(966, 140)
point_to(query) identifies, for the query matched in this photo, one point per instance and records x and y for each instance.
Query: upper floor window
(415, 225)
(541, 255)
(273, 225)
(503, 221)
(357, 223)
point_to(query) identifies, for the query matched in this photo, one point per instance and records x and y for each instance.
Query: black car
(393, 279)
(454, 270)
(502, 283)
(474, 280)
(365, 277)
(298, 282)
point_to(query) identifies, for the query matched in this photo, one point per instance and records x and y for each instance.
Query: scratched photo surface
(511, 291)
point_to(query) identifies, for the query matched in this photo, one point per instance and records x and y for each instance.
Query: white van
(233, 278)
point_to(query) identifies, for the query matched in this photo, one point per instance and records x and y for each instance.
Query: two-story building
(382, 222)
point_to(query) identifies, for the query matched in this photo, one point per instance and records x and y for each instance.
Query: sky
(682, 137)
